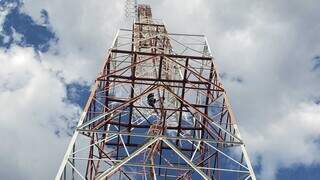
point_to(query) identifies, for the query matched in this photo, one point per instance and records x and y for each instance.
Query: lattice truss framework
(157, 110)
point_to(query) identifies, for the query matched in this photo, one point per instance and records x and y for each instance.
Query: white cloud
(3, 14)
(290, 139)
(268, 44)
(85, 31)
(33, 97)
(33, 106)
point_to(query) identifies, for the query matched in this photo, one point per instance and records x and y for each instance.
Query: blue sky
(268, 54)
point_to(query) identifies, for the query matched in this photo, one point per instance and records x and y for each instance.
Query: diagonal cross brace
(115, 168)
(186, 159)
(151, 88)
(201, 113)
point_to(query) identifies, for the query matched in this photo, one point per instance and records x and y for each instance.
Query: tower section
(157, 110)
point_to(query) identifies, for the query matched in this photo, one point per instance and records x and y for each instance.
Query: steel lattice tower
(157, 110)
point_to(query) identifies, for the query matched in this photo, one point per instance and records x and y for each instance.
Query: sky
(267, 52)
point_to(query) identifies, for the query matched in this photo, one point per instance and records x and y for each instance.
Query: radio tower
(157, 110)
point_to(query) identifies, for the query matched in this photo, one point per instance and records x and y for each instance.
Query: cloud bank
(272, 47)
(34, 117)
